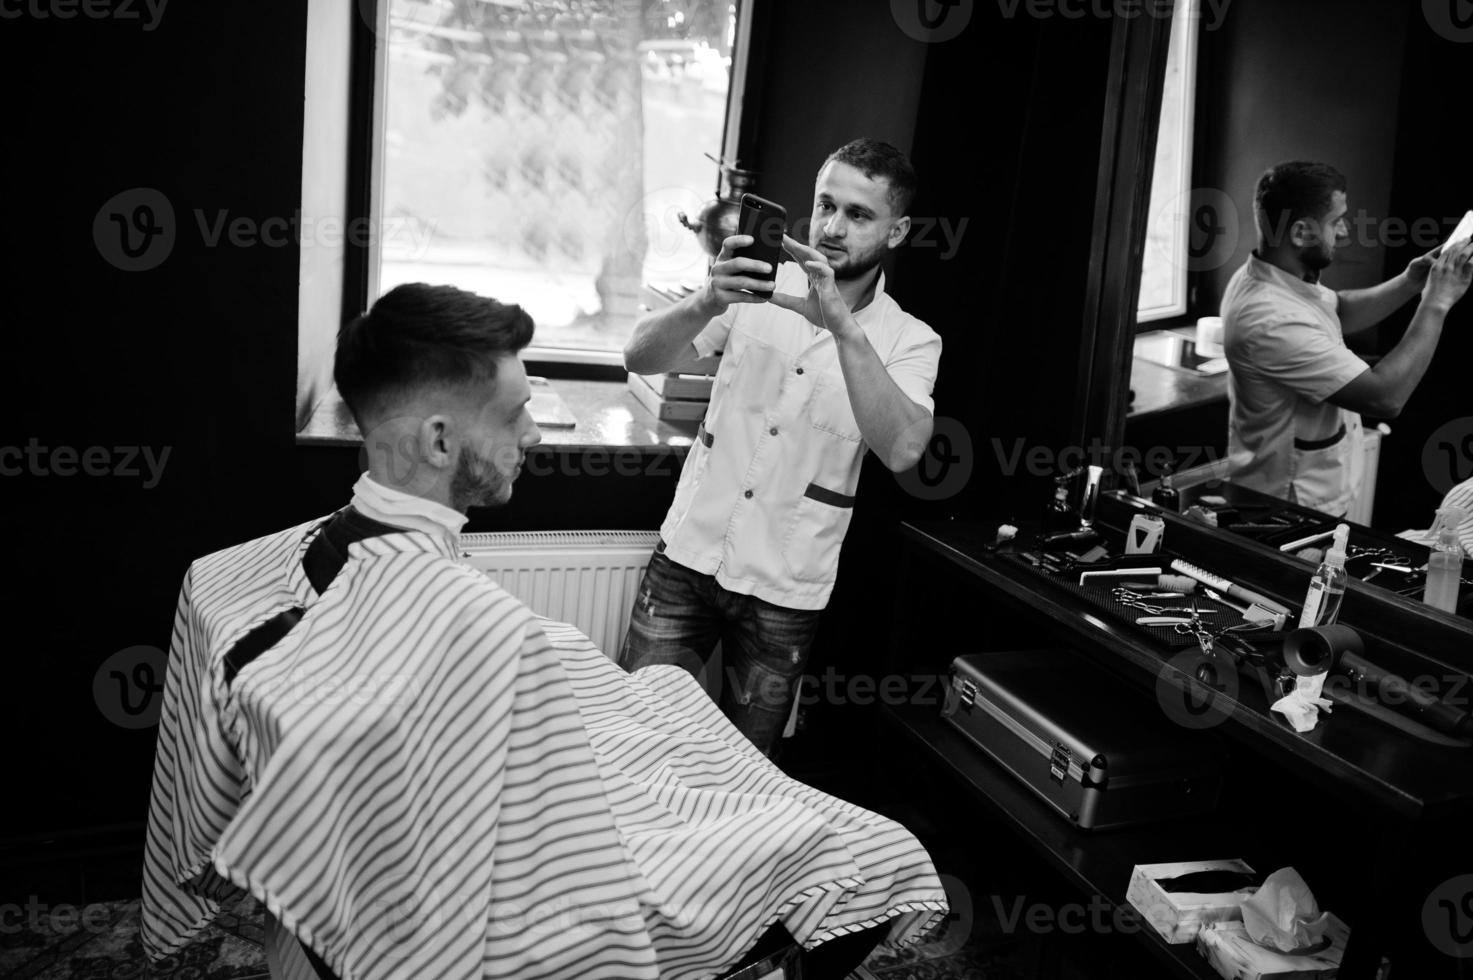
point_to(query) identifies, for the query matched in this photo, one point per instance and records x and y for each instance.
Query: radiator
(587, 578)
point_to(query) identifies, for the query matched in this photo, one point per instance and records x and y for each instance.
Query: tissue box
(1178, 917)
(1233, 955)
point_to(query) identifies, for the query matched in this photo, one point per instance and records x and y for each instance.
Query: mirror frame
(1122, 200)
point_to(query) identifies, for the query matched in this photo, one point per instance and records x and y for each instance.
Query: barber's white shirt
(1287, 355)
(767, 491)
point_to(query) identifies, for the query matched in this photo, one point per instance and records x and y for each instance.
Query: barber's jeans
(679, 615)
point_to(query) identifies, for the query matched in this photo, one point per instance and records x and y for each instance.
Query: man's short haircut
(874, 158)
(418, 335)
(1289, 192)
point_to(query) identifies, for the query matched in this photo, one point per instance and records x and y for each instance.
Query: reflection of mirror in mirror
(1255, 88)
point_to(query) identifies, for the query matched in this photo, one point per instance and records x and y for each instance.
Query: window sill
(1159, 388)
(608, 417)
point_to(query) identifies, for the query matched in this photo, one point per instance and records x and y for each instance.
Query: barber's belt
(1307, 445)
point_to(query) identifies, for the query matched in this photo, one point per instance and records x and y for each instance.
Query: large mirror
(1271, 400)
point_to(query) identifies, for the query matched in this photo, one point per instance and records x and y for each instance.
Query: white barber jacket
(1287, 356)
(767, 491)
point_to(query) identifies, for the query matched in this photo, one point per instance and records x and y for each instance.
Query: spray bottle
(1445, 564)
(1327, 585)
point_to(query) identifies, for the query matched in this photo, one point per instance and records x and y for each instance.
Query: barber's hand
(1418, 268)
(729, 276)
(1449, 277)
(823, 306)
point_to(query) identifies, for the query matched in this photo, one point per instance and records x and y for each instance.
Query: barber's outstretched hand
(823, 306)
(1450, 275)
(730, 276)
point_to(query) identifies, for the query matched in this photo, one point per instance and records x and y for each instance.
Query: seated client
(418, 777)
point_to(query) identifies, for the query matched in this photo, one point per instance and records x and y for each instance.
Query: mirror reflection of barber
(1296, 391)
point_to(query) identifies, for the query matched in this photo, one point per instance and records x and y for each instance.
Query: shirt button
(772, 431)
(748, 495)
(800, 370)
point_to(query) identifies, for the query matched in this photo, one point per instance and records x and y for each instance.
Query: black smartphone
(766, 222)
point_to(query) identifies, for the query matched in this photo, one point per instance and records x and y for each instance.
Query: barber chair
(784, 964)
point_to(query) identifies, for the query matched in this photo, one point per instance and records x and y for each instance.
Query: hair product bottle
(1445, 564)
(1327, 585)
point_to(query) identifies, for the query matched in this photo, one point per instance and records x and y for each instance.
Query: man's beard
(477, 482)
(853, 266)
(1317, 257)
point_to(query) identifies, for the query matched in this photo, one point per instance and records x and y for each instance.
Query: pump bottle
(1060, 516)
(1327, 586)
(1165, 495)
(1445, 564)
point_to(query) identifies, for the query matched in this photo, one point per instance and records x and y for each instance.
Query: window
(1167, 261)
(540, 151)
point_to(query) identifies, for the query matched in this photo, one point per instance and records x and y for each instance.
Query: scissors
(1366, 551)
(1195, 627)
(1137, 600)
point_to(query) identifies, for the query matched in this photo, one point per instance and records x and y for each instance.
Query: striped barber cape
(423, 779)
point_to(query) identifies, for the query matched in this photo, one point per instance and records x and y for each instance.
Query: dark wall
(1431, 442)
(1012, 144)
(828, 71)
(1310, 80)
(194, 357)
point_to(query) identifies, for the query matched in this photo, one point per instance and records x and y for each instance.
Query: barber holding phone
(820, 364)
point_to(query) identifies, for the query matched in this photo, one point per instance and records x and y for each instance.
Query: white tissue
(1303, 704)
(1283, 915)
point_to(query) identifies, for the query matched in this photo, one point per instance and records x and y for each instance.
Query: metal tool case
(1099, 751)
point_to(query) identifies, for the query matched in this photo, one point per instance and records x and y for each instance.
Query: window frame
(368, 112)
(1184, 280)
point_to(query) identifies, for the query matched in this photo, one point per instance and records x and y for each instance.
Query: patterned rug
(54, 945)
(104, 946)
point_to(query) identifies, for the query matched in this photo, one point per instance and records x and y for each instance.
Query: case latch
(1058, 763)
